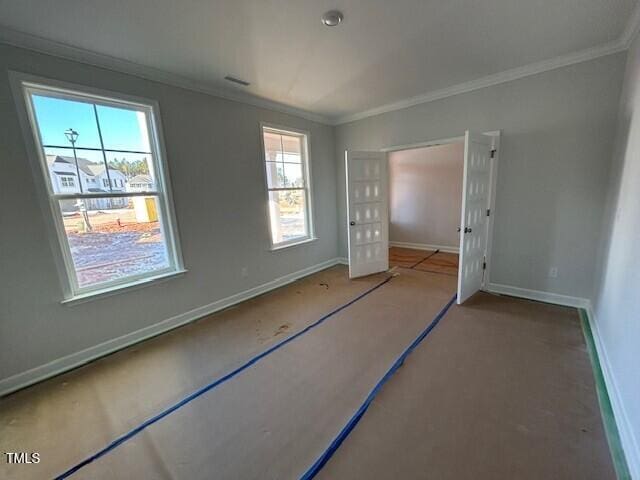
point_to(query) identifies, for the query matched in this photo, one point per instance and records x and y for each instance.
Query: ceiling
(384, 51)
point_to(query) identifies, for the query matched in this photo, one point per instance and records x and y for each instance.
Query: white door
(367, 212)
(476, 193)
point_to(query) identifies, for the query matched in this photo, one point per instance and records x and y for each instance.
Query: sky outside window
(122, 129)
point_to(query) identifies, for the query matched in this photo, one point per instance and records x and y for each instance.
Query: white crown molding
(62, 50)
(39, 44)
(622, 43)
(488, 81)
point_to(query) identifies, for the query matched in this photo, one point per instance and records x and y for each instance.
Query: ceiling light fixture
(332, 18)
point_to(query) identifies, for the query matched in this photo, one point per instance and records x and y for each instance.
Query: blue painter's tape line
(425, 258)
(120, 440)
(353, 421)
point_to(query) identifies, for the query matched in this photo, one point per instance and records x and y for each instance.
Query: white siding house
(140, 183)
(94, 177)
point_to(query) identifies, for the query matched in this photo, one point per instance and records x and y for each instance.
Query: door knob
(352, 223)
(459, 229)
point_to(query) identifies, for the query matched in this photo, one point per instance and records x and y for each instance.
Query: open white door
(367, 212)
(476, 197)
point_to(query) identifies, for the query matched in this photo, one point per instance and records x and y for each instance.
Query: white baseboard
(630, 444)
(342, 260)
(426, 246)
(77, 359)
(538, 295)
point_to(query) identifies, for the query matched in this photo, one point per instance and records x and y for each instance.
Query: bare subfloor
(501, 388)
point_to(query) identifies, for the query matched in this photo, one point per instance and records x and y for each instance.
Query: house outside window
(109, 237)
(287, 175)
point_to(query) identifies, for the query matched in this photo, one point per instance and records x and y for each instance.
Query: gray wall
(425, 195)
(557, 133)
(617, 292)
(213, 149)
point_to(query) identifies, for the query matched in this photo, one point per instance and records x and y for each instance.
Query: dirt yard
(108, 221)
(117, 246)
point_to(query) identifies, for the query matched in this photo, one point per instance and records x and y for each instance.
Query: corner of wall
(624, 448)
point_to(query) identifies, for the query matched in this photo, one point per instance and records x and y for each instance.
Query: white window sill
(113, 290)
(297, 243)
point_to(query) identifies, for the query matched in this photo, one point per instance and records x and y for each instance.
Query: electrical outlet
(553, 272)
(244, 272)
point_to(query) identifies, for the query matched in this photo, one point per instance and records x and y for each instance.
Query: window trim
(22, 86)
(306, 168)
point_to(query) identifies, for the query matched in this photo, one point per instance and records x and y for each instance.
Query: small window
(288, 192)
(109, 238)
(67, 182)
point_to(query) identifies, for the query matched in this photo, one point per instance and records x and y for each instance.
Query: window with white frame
(288, 185)
(108, 238)
(67, 181)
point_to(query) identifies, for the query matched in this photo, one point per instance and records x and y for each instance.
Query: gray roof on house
(142, 178)
(90, 168)
(57, 159)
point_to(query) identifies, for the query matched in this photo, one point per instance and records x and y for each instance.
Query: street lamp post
(72, 136)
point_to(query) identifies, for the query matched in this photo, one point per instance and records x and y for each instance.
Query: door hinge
(493, 153)
(488, 212)
(484, 265)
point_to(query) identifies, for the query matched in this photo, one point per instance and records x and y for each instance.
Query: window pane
(134, 170)
(127, 172)
(281, 175)
(123, 129)
(272, 147)
(61, 163)
(292, 148)
(55, 116)
(282, 148)
(275, 175)
(114, 238)
(287, 212)
(293, 175)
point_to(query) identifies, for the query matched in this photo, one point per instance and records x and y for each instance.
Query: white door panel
(367, 212)
(474, 221)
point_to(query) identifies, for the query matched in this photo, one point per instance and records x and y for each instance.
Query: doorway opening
(422, 220)
(425, 201)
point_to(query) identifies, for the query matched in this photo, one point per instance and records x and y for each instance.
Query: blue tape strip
(120, 440)
(425, 258)
(346, 430)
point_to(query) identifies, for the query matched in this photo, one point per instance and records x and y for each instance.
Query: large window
(90, 148)
(287, 177)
